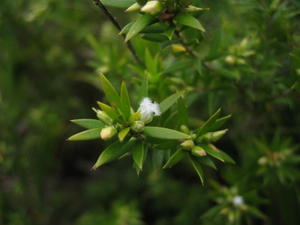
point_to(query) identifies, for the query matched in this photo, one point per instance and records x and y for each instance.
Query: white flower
(238, 200)
(148, 109)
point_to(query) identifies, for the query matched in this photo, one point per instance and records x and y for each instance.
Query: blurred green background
(51, 52)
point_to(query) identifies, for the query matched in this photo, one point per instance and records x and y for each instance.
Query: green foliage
(247, 62)
(134, 135)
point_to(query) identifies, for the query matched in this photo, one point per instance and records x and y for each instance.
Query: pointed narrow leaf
(168, 102)
(86, 135)
(155, 37)
(118, 3)
(150, 62)
(219, 122)
(156, 28)
(207, 161)
(139, 25)
(126, 28)
(110, 92)
(112, 152)
(208, 124)
(110, 111)
(144, 87)
(138, 154)
(189, 20)
(164, 133)
(212, 212)
(123, 133)
(175, 158)
(88, 123)
(256, 212)
(198, 169)
(125, 101)
(182, 112)
(218, 154)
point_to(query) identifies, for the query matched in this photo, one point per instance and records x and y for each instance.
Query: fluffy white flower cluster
(238, 200)
(148, 109)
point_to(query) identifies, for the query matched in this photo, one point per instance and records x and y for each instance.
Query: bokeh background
(50, 54)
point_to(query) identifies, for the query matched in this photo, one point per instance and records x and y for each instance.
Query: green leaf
(112, 152)
(207, 161)
(168, 102)
(218, 154)
(125, 101)
(208, 124)
(126, 28)
(110, 92)
(198, 169)
(144, 87)
(118, 3)
(86, 135)
(139, 25)
(219, 122)
(189, 20)
(158, 157)
(155, 37)
(151, 62)
(212, 212)
(164, 133)
(110, 111)
(177, 66)
(88, 123)
(182, 113)
(123, 133)
(175, 158)
(156, 28)
(138, 154)
(256, 212)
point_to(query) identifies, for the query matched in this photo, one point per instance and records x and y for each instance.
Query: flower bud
(133, 8)
(138, 126)
(184, 129)
(198, 151)
(108, 132)
(135, 116)
(104, 117)
(262, 161)
(188, 144)
(152, 7)
(230, 59)
(178, 48)
(213, 136)
(192, 9)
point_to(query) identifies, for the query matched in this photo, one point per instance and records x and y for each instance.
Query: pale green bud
(262, 161)
(135, 116)
(187, 145)
(138, 126)
(108, 132)
(198, 151)
(213, 136)
(192, 9)
(152, 7)
(184, 129)
(133, 8)
(103, 117)
(178, 48)
(230, 59)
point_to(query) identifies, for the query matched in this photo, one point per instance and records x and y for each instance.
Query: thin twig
(117, 25)
(182, 41)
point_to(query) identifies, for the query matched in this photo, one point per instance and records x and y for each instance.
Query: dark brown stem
(183, 42)
(100, 5)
